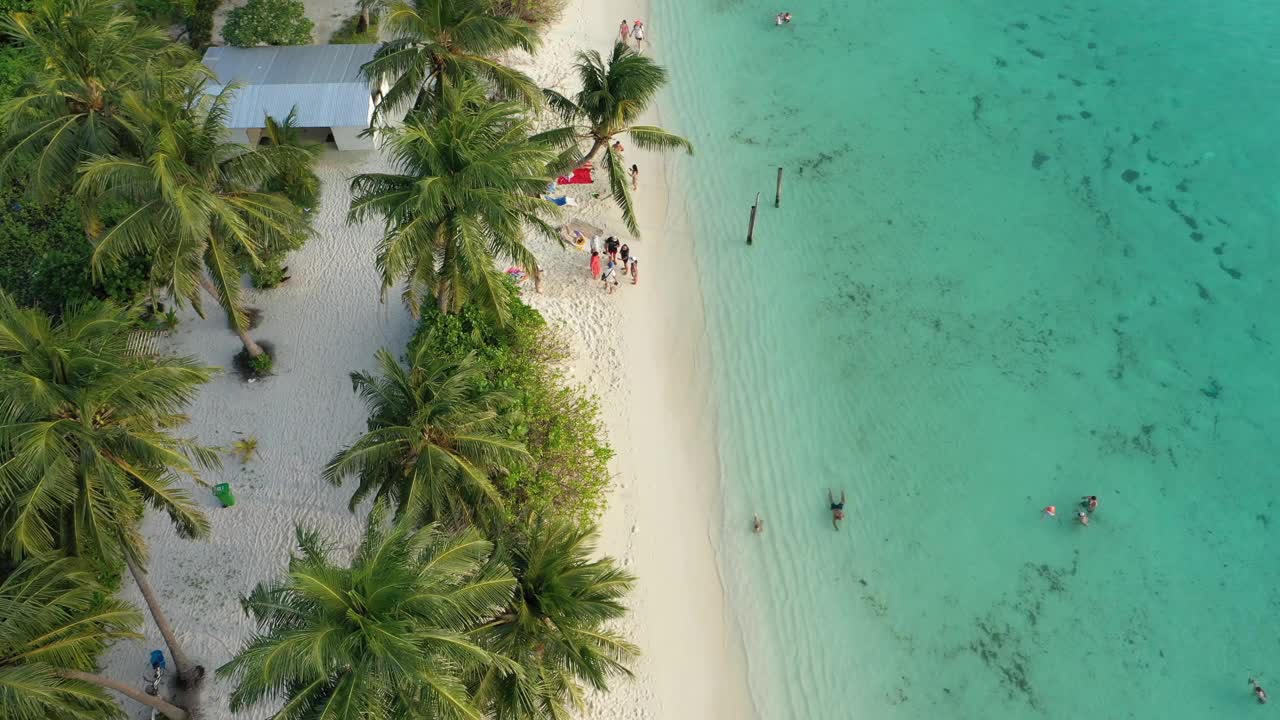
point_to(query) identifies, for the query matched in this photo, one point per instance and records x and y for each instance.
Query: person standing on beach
(595, 265)
(624, 252)
(757, 524)
(637, 32)
(1258, 692)
(635, 177)
(611, 248)
(837, 508)
(624, 30)
(635, 270)
(611, 277)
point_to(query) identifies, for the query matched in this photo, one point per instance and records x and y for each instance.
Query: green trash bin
(224, 494)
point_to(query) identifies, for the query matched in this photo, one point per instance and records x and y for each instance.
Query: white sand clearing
(641, 349)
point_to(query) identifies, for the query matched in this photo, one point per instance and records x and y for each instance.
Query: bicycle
(155, 680)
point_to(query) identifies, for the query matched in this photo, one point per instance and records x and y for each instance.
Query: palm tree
(384, 638)
(434, 439)
(89, 54)
(612, 99)
(556, 627)
(296, 179)
(439, 44)
(469, 183)
(367, 8)
(196, 200)
(56, 619)
(86, 442)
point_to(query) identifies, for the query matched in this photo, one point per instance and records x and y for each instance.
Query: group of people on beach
(616, 254)
(633, 31)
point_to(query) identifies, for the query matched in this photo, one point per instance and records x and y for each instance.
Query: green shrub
(15, 67)
(200, 23)
(13, 6)
(348, 33)
(262, 364)
(536, 12)
(558, 422)
(162, 12)
(44, 257)
(270, 274)
(268, 22)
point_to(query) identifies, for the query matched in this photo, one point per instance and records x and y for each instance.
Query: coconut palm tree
(556, 627)
(439, 44)
(56, 619)
(613, 97)
(384, 638)
(89, 55)
(86, 442)
(433, 442)
(367, 9)
(196, 200)
(467, 185)
(295, 179)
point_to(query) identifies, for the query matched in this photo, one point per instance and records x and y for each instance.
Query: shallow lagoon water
(1025, 253)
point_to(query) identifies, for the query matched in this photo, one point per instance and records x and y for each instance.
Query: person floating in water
(1089, 502)
(1258, 692)
(837, 508)
(1083, 518)
(1049, 511)
(757, 524)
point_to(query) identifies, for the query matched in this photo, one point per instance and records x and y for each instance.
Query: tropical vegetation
(613, 96)
(477, 590)
(389, 636)
(87, 440)
(57, 618)
(557, 626)
(434, 439)
(197, 202)
(439, 45)
(88, 55)
(566, 471)
(466, 189)
(268, 22)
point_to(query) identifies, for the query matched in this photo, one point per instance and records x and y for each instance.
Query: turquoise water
(1025, 253)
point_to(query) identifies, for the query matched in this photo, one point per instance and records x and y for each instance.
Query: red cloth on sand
(581, 176)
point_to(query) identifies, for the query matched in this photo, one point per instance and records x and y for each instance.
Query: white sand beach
(641, 349)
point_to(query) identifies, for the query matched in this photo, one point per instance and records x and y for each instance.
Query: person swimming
(1049, 511)
(837, 508)
(1089, 502)
(1258, 692)
(1083, 518)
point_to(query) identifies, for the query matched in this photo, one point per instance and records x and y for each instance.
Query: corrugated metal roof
(322, 81)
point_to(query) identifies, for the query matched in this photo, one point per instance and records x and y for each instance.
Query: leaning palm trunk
(171, 711)
(189, 676)
(250, 346)
(594, 153)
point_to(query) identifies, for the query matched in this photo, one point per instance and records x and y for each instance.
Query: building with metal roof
(322, 82)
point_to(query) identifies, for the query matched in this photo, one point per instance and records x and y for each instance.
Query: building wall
(348, 138)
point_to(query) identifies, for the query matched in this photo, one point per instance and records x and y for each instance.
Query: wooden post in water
(777, 198)
(751, 228)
